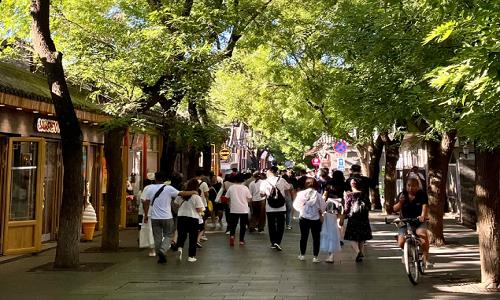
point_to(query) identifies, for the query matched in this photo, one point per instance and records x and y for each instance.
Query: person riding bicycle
(414, 203)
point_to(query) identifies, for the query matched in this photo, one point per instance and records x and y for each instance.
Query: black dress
(358, 226)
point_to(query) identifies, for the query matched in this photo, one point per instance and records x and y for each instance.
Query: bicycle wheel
(421, 264)
(411, 261)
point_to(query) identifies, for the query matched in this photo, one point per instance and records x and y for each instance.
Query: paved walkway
(253, 272)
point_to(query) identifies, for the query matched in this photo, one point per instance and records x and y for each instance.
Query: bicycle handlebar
(408, 220)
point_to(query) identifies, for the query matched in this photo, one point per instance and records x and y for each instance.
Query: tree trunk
(364, 158)
(168, 155)
(488, 213)
(67, 252)
(191, 159)
(375, 151)
(207, 158)
(113, 149)
(390, 177)
(439, 153)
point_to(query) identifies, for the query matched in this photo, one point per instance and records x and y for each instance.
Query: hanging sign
(47, 126)
(340, 146)
(316, 162)
(224, 153)
(340, 164)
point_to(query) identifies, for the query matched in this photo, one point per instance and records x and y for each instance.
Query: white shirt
(239, 196)
(309, 203)
(267, 186)
(189, 206)
(203, 189)
(142, 199)
(255, 191)
(161, 207)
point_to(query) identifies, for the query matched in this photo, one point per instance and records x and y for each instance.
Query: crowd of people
(330, 208)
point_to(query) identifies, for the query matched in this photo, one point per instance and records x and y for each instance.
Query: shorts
(402, 230)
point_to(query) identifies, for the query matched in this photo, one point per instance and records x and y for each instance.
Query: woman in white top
(311, 206)
(188, 218)
(258, 220)
(239, 197)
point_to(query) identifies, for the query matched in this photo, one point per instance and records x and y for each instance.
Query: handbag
(210, 206)
(224, 200)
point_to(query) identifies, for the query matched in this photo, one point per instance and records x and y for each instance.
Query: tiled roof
(20, 82)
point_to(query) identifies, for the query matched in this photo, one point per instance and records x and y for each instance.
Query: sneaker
(316, 260)
(180, 253)
(329, 260)
(429, 265)
(152, 253)
(161, 258)
(203, 238)
(301, 257)
(278, 247)
(199, 245)
(227, 233)
(289, 227)
(359, 258)
(242, 243)
(192, 259)
(272, 246)
(231, 241)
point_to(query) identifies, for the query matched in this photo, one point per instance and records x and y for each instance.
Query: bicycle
(412, 252)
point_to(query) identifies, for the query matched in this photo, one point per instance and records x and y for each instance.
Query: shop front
(143, 157)
(31, 172)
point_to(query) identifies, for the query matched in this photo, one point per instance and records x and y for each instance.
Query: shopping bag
(146, 239)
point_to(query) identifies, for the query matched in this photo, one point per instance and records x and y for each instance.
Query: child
(330, 236)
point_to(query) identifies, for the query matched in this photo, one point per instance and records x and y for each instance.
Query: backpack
(359, 207)
(276, 198)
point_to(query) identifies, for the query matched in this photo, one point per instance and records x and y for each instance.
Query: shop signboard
(47, 126)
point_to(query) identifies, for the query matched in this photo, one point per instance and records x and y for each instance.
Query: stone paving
(254, 271)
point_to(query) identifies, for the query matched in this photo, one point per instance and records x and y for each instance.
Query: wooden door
(24, 199)
(3, 186)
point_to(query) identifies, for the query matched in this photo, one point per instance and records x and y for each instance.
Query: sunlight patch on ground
(467, 288)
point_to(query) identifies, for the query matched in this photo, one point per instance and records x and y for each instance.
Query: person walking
(203, 191)
(188, 216)
(273, 186)
(258, 220)
(217, 212)
(158, 198)
(358, 228)
(239, 197)
(311, 206)
(335, 191)
(330, 235)
(289, 203)
(363, 181)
